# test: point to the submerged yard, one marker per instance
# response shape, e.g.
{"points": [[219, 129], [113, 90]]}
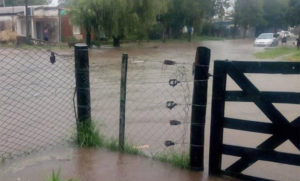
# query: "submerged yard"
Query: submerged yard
{"points": [[147, 118]]}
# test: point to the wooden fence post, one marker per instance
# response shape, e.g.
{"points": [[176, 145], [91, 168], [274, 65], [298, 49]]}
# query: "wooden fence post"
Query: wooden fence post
{"points": [[82, 83], [199, 108], [217, 117], [123, 101]]}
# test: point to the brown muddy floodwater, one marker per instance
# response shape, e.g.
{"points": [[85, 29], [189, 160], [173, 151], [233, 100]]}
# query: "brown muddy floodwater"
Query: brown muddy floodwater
{"points": [[97, 165], [147, 119]]}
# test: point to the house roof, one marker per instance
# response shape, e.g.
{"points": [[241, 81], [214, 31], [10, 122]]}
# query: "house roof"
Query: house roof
{"points": [[14, 10], [11, 10]]}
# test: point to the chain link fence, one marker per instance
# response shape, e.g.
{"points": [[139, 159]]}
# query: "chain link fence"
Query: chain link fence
{"points": [[152, 126], [105, 97], [37, 100], [158, 106], [38, 96]]}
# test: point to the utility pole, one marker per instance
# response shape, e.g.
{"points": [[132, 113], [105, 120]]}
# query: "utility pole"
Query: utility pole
{"points": [[3, 3], [27, 20]]}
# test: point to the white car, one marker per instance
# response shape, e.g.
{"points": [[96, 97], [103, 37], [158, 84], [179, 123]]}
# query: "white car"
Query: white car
{"points": [[266, 40]]}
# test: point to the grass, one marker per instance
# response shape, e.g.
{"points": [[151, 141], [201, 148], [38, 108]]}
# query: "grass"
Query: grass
{"points": [[275, 53], [89, 136], [180, 160], [113, 145], [56, 176], [295, 57], [196, 39], [36, 47]]}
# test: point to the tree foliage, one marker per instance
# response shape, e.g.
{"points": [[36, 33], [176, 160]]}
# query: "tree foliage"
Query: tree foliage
{"points": [[248, 13], [275, 13], [267, 15], [293, 13], [83, 15], [182, 13], [117, 19]]}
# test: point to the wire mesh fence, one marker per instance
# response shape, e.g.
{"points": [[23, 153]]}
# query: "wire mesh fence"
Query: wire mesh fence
{"points": [[157, 111], [36, 95], [151, 126], [105, 98]]}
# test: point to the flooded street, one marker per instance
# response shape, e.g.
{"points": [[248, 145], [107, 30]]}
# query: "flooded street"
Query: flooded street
{"points": [[96, 165], [148, 119]]}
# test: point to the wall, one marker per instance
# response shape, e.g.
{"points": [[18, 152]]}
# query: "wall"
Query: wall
{"points": [[6, 23], [46, 12], [66, 28]]}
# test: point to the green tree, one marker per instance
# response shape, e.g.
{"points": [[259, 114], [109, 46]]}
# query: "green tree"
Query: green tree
{"points": [[22, 2], [182, 13], [248, 13], [82, 14], [293, 13], [172, 19], [117, 19], [146, 11], [275, 14]]}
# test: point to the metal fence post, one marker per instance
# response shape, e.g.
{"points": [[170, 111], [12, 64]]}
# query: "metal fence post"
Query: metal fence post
{"points": [[123, 101], [199, 108], [82, 83]]}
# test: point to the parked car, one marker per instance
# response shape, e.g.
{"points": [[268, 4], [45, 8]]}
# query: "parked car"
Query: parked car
{"points": [[266, 40]]}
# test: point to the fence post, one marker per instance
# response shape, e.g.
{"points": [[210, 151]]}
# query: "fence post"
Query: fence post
{"points": [[217, 117], [82, 82], [199, 108], [123, 101]]}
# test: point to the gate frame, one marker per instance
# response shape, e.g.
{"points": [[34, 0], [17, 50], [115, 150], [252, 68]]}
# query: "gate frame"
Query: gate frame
{"points": [[280, 128]]}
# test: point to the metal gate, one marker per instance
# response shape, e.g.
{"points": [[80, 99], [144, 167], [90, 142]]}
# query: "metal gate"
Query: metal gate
{"points": [[280, 128]]}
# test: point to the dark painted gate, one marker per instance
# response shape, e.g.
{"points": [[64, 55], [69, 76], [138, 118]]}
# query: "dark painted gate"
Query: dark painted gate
{"points": [[280, 128]]}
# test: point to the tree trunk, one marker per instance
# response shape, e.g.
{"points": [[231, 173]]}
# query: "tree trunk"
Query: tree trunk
{"points": [[88, 38], [245, 32], [164, 36], [116, 42], [189, 36]]}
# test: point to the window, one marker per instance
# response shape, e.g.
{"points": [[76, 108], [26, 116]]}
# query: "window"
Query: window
{"points": [[76, 30]]}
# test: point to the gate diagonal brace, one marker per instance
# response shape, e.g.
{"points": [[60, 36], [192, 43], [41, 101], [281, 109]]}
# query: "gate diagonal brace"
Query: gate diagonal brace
{"points": [[279, 137], [262, 103]]}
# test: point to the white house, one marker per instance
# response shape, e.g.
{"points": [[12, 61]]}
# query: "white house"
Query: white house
{"points": [[43, 17]]}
